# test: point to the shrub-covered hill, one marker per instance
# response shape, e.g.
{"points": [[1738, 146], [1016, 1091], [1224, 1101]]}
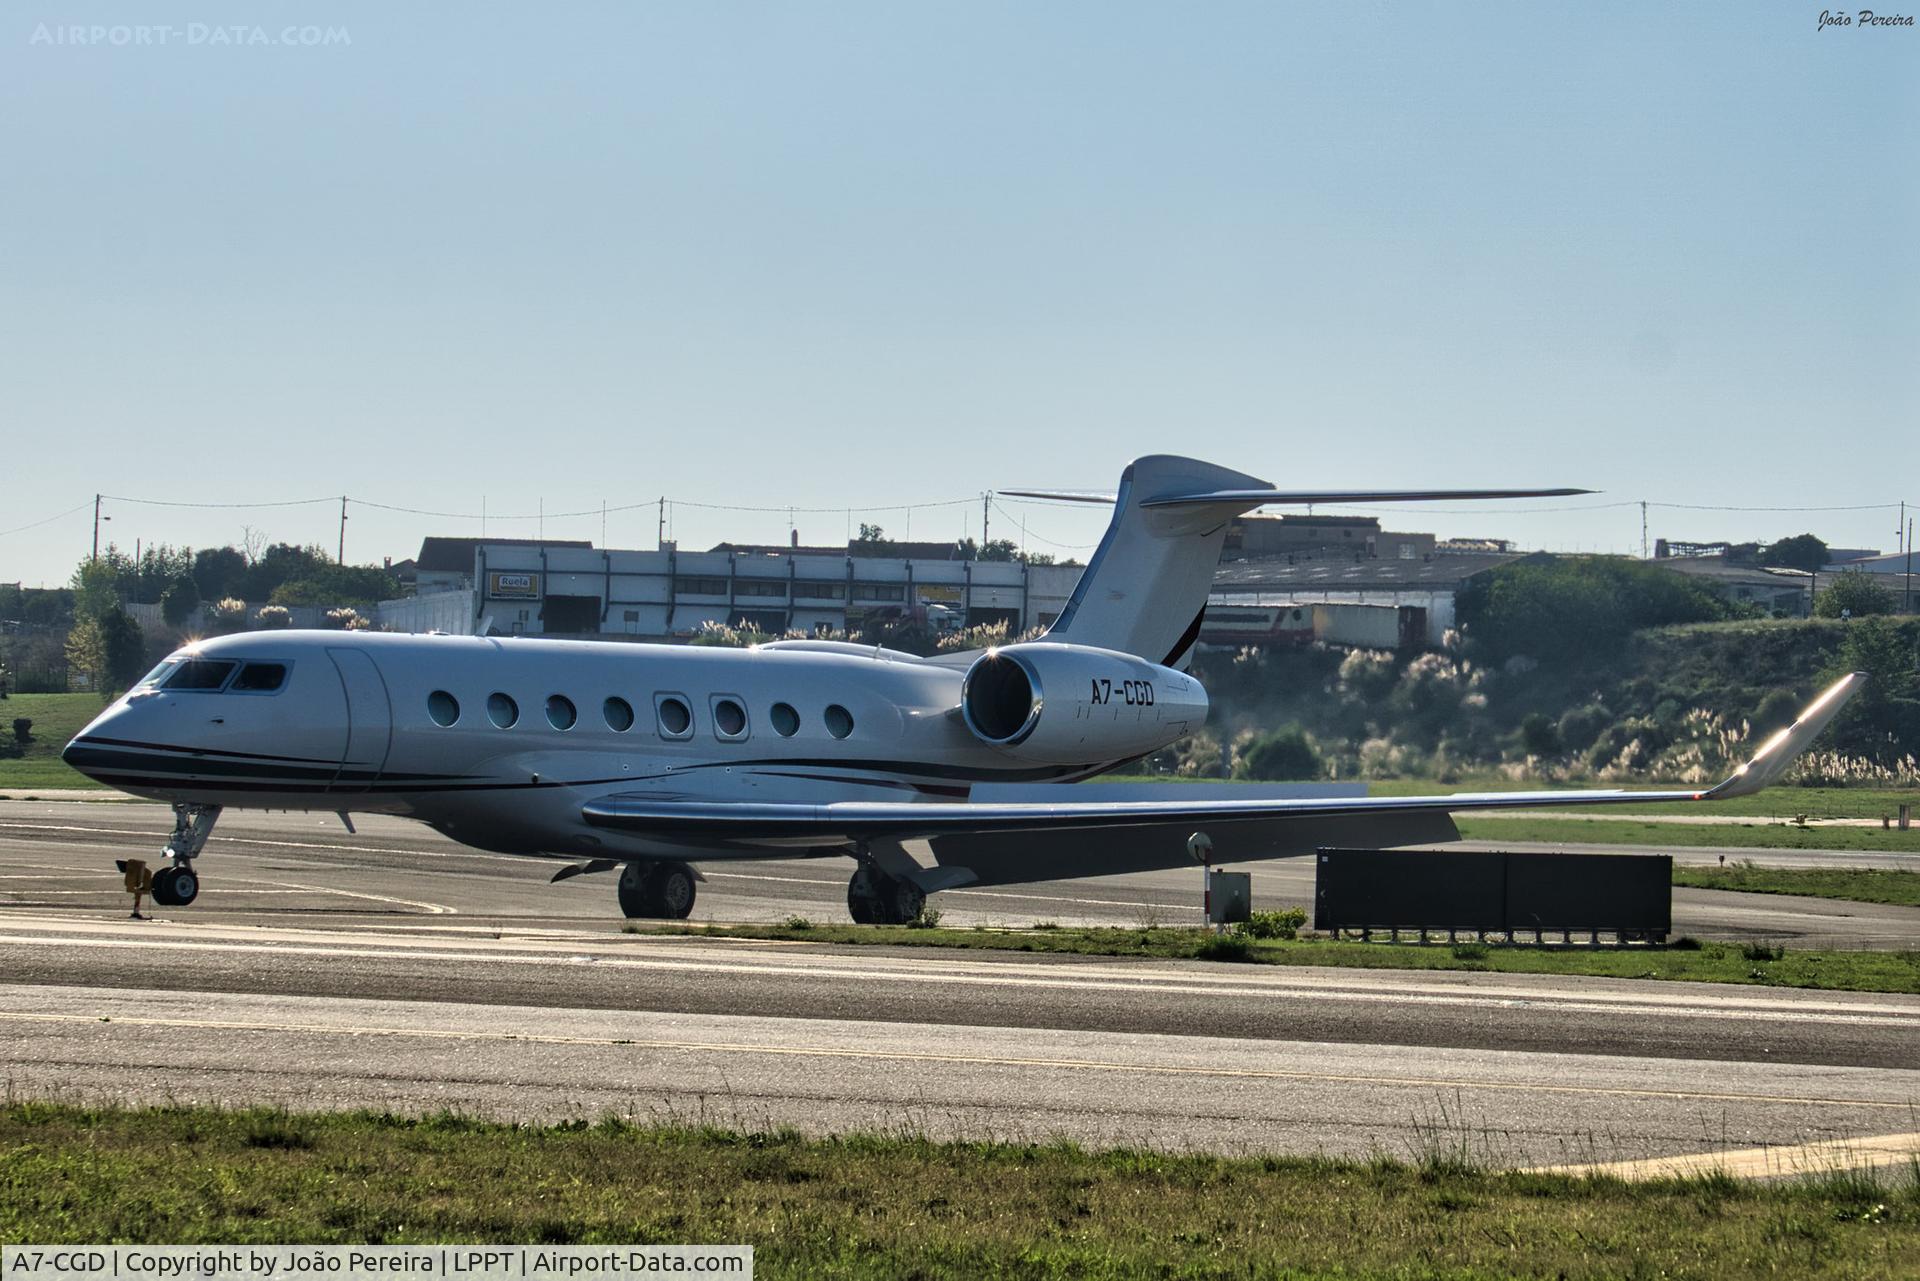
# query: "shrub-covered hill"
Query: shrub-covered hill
{"points": [[1676, 702]]}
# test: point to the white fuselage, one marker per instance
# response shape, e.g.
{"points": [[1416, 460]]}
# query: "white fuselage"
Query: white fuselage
{"points": [[499, 742]]}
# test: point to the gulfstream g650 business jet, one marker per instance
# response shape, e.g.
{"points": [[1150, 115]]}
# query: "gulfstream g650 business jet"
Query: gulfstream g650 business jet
{"points": [[642, 757]]}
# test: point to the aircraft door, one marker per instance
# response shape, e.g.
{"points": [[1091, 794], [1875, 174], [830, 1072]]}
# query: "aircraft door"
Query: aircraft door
{"points": [[369, 720]]}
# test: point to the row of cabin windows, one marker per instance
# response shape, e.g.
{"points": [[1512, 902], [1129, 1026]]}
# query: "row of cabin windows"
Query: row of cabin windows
{"points": [[673, 716]]}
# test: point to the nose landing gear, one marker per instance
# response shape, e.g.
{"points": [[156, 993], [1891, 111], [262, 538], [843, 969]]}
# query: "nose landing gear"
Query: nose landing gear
{"points": [[178, 885]]}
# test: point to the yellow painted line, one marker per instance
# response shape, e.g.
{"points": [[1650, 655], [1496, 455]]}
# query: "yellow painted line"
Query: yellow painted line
{"points": [[1761, 1163], [968, 1060]]}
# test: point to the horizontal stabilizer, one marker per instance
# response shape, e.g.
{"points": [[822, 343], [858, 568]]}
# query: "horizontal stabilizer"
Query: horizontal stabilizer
{"points": [[1296, 497], [1309, 497]]}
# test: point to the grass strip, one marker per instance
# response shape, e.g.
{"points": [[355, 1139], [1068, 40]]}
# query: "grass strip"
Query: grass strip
{"points": [[56, 719], [1686, 961], [903, 1205], [1759, 834], [1858, 885]]}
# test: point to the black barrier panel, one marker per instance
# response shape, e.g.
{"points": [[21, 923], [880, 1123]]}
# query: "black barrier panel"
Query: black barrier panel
{"points": [[1632, 892], [1492, 892], [1408, 889]]}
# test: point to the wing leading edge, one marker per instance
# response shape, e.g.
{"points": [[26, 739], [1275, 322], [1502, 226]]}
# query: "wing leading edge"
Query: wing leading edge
{"points": [[847, 822]]}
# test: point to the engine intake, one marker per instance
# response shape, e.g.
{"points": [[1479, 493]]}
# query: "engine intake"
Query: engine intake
{"points": [[1001, 698], [1059, 704]]}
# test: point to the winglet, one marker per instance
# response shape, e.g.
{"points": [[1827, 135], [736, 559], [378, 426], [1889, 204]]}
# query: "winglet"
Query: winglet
{"points": [[1770, 763]]}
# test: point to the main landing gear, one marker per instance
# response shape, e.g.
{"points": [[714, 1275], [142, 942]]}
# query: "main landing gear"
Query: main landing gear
{"points": [[876, 898], [657, 890], [178, 884]]}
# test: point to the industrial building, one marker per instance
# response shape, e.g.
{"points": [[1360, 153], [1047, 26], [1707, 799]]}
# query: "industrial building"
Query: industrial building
{"points": [[536, 588]]}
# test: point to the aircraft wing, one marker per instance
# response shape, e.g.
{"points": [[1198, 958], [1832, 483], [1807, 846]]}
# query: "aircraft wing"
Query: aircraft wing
{"points": [[1397, 819]]}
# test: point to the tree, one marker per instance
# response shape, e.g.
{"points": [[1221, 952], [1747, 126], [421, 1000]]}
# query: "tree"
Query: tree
{"points": [[109, 649], [96, 588], [1578, 606], [1853, 593], [1802, 551], [218, 572], [1883, 719], [337, 586], [180, 601], [873, 541]]}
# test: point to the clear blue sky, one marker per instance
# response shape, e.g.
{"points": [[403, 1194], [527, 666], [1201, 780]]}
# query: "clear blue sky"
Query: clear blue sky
{"points": [[824, 255]]}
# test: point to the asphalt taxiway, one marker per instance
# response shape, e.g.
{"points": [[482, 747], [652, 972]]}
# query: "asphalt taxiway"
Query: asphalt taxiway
{"points": [[392, 969]]}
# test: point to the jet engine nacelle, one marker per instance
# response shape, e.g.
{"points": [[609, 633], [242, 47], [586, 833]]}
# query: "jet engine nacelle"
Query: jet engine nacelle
{"points": [[1058, 704]]}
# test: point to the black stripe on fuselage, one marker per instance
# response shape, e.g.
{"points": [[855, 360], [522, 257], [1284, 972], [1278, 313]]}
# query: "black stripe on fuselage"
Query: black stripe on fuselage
{"points": [[201, 751]]}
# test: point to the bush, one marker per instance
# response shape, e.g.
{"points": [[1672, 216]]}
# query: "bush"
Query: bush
{"points": [[1776, 711], [1579, 726], [1283, 924], [1283, 755], [1854, 593], [1539, 735], [273, 618]]}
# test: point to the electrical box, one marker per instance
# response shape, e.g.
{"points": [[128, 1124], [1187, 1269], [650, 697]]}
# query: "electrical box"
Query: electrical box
{"points": [[1229, 897]]}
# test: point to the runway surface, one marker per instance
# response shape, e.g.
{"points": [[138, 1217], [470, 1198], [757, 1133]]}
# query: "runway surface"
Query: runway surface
{"points": [[260, 867], [395, 970]]}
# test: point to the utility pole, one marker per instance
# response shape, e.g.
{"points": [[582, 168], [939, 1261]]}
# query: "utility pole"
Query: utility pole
{"points": [[1643, 529], [986, 501], [660, 538], [341, 556], [96, 527], [1909, 565]]}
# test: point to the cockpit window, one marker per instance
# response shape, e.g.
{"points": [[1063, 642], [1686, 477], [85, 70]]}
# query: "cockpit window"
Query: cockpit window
{"points": [[155, 677], [259, 678], [200, 674]]}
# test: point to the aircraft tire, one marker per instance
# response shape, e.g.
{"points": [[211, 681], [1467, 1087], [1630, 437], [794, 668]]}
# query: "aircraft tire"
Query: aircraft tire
{"points": [[635, 890], [175, 887], [863, 897], [673, 891], [903, 901]]}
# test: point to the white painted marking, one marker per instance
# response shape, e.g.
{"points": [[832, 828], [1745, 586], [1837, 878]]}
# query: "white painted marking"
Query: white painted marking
{"points": [[994, 975]]}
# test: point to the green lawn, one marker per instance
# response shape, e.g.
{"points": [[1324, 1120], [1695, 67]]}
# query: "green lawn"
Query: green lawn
{"points": [[1786, 802], [1760, 834], [56, 719], [1860, 885], [904, 1206], [1857, 971]]}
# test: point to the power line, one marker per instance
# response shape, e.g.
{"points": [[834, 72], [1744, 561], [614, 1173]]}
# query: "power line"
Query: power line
{"points": [[164, 502], [1028, 533], [47, 520]]}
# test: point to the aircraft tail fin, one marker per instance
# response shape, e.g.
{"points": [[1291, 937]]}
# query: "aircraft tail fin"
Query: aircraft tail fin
{"points": [[1145, 589]]}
